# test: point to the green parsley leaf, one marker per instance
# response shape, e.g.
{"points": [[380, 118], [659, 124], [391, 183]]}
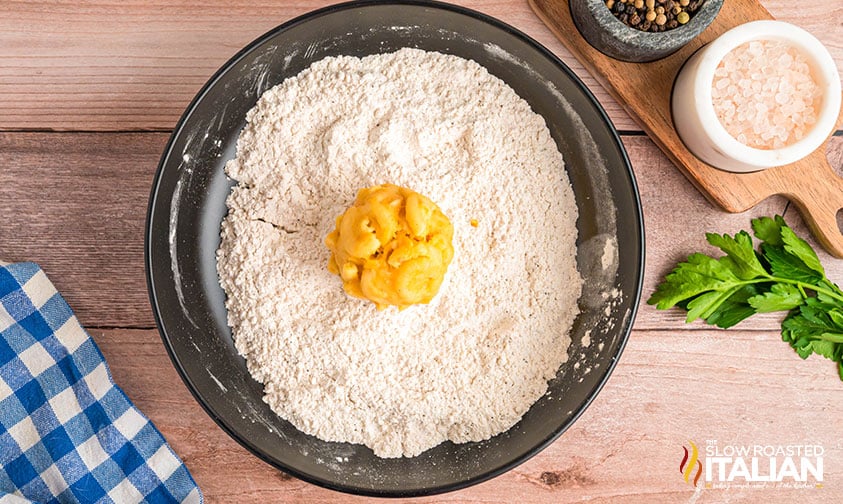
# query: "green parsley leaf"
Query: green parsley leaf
{"points": [[824, 348], [784, 275], [785, 265], [799, 248], [769, 230], [740, 257], [734, 309], [836, 316], [699, 274], [780, 297], [825, 298]]}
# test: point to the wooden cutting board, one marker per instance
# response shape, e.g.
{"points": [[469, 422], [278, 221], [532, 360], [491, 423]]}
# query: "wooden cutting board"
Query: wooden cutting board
{"points": [[643, 89]]}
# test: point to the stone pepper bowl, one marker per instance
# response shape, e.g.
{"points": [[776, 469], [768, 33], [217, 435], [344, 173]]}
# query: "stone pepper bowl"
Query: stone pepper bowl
{"points": [[609, 35]]}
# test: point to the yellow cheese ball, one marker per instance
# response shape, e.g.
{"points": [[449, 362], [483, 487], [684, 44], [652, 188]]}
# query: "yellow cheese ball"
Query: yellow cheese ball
{"points": [[392, 247]]}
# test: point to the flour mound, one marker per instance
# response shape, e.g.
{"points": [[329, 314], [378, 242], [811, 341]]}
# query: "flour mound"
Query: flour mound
{"points": [[468, 365]]}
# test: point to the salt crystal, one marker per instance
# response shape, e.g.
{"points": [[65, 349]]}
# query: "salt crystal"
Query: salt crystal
{"points": [[765, 95]]}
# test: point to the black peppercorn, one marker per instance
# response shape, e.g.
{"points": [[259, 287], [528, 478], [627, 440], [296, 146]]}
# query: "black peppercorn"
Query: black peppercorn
{"points": [[653, 16]]}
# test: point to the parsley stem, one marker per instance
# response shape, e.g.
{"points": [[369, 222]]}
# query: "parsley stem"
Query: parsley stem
{"points": [[832, 337], [800, 285], [802, 291]]}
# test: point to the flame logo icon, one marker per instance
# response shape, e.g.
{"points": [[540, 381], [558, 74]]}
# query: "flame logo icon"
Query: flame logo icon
{"points": [[689, 461]]}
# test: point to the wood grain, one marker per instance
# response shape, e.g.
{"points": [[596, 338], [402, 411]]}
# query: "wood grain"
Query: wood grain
{"points": [[76, 203], [645, 91], [136, 64], [667, 389]]}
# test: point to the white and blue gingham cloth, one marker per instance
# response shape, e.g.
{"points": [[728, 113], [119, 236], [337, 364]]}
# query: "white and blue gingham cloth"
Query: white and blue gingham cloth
{"points": [[67, 432]]}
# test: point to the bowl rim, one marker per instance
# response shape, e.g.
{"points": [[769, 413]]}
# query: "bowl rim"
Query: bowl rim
{"points": [[628, 320]]}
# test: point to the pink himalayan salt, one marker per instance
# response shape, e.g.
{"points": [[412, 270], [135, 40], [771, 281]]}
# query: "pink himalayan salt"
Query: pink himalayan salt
{"points": [[764, 94]]}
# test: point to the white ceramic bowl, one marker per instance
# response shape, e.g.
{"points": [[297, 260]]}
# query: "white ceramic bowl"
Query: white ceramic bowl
{"points": [[703, 133]]}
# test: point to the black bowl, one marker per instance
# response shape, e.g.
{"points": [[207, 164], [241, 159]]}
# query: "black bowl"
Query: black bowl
{"points": [[187, 205]]}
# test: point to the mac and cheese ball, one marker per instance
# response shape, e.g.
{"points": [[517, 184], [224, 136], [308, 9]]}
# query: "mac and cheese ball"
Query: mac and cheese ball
{"points": [[392, 247]]}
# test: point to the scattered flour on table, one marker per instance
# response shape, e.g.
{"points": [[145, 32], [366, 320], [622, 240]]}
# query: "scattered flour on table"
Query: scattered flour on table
{"points": [[466, 366]]}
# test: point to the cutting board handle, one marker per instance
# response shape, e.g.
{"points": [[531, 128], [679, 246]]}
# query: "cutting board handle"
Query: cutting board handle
{"points": [[818, 193]]}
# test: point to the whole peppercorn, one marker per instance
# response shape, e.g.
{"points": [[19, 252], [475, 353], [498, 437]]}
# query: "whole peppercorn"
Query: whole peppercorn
{"points": [[653, 16]]}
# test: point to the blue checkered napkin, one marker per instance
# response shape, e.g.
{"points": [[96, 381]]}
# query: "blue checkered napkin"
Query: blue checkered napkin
{"points": [[67, 432]]}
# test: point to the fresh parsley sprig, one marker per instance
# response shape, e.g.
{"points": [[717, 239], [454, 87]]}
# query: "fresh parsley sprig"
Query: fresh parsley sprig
{"points": [[784, 275]]}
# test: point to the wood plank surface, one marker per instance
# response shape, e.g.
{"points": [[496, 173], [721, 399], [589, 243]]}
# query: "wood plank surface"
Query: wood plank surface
{"points": [[669, 389], [76, 203], [135, 64], [108, 72]]}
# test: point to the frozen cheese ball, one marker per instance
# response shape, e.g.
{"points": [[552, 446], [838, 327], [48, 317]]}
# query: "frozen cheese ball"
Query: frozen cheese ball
{"points": [[392, 247]]}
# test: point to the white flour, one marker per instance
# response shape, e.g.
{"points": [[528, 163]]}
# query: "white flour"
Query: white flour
{"points": [[468, 365]]}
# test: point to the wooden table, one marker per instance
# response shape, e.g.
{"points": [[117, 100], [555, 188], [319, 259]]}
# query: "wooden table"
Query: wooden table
{"points": [[89, 91]]}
